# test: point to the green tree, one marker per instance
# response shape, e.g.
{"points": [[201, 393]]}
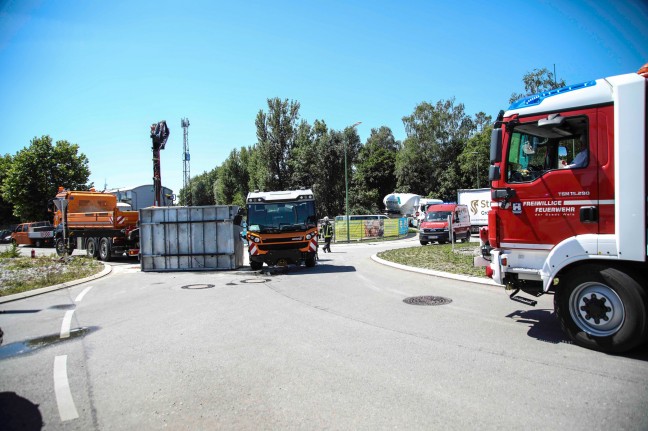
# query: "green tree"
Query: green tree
{"points": [[374, 175], [304, 160], [474, 161], [6, 209], [537, 81], [232, 180], [276, 136], [36, 173], [436, 135]]}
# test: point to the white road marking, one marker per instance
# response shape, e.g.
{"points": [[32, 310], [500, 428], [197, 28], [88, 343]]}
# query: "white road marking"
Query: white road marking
{"points": [[82, 294], [65, 326], [67, 409]]}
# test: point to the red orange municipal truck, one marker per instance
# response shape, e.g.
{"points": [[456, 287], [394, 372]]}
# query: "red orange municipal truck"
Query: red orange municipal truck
{"points": [[281, 228], [569, 191], [93, 221]]}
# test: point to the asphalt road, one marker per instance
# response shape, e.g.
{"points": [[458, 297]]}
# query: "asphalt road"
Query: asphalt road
{"points": [[330, 347]]}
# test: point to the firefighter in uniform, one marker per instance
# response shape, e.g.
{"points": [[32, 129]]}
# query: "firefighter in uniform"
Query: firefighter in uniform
{"points": [[326, 231]]}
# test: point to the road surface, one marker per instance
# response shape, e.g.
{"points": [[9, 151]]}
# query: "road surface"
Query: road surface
{"points": [[330, 347]]}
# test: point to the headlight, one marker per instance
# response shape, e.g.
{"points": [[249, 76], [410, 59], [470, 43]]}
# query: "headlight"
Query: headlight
{"points": [[257, 239], [309, 236]]}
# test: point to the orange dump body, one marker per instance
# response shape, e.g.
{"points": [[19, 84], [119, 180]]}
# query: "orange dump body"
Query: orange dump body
{"points": [[89, 210]]}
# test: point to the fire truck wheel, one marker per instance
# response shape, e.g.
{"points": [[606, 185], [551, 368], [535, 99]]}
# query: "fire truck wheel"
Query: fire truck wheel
{"points": [[256, 265], [91, 248], [310, 262], [38, 243], [60, 247], [423, 242], [105, 250], [602, 308]]}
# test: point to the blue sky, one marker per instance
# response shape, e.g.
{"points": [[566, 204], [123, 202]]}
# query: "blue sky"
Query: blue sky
{"points": [[99, 73]]}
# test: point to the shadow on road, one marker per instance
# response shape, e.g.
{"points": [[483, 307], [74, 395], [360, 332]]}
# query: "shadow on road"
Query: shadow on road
{"points": [[18, 413], [543, 325], [320, 268]]}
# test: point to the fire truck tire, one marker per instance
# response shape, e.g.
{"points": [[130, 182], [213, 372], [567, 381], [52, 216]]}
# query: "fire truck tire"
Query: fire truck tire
{"points": [[256, 265], [60, 247], [310, 262], [38, 243], [603, 308], [91, 248], [105, 250], [423, 242]]}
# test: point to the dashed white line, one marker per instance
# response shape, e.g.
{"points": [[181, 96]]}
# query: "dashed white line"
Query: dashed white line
{"points": [[82, 294], [65, 326], [67, 409]]}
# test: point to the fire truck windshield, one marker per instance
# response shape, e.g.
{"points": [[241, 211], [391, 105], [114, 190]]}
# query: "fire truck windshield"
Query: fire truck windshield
{"points": [[281, 217]]}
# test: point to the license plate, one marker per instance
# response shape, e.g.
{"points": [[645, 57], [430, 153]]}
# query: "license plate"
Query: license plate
{"points": [[433, 237]]}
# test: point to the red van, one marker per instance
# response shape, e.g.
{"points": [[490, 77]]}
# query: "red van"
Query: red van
{"points": [[435, 225]]}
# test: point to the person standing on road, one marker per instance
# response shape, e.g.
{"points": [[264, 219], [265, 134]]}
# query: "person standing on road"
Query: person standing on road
{"points": [[327, 232]]}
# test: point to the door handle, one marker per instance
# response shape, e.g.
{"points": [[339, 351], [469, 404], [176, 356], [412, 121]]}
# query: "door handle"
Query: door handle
{"points": [[589, 214]]}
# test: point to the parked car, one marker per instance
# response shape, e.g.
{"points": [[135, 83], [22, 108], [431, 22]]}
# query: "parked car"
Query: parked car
{"points": [[5, 236]]}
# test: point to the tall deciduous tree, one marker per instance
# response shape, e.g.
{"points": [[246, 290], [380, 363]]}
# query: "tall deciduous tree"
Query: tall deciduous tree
{"points": [[276, 136], [374, 176], [537, 81], [36, 173], [436, 135], [232, 181], [6, 209]]}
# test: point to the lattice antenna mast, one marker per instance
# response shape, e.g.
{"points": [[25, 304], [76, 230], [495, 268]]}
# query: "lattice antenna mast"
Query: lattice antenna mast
{"points": [[186, 159]]}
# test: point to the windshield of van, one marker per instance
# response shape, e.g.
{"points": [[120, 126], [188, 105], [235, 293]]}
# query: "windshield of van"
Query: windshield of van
{"points": [[281, 217], [437, 215]]}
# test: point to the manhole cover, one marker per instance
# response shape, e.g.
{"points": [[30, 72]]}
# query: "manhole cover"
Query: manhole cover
{"points": [[197, 286], [255, 280], [427, 300]]}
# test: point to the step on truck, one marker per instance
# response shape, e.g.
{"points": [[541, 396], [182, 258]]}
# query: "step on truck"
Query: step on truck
{"points": [[568, 187], [281, 228], [95, 222]]}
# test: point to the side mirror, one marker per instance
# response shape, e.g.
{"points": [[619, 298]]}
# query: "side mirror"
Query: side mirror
{"points": [[496, 146]]}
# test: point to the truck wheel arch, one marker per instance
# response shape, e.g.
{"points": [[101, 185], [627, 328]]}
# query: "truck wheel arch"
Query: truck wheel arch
{"points": [[572, 251]]}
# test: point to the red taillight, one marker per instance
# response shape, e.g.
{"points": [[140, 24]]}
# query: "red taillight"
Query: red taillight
{"points": [[483, 235], [504, 261], [489, 272]]}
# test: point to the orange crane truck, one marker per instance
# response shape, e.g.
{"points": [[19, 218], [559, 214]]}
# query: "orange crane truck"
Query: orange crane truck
{"points": [[92, 221]]}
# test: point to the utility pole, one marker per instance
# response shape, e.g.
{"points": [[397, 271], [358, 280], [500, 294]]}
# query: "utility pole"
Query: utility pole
{"points": [[159, 136], [186, 183]]}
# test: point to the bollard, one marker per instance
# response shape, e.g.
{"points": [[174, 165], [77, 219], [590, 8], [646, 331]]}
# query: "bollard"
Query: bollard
{"points": [[33, 253]]}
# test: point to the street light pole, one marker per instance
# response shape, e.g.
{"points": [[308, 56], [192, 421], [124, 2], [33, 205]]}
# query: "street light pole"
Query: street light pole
{"points": [[346, 183]]}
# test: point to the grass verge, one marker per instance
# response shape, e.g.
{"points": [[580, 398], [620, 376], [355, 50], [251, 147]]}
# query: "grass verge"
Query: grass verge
{"points": [[438, 257], [20, 274]]}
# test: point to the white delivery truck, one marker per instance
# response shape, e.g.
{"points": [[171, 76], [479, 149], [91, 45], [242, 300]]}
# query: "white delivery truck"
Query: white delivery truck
{"points": [[478, 202]]}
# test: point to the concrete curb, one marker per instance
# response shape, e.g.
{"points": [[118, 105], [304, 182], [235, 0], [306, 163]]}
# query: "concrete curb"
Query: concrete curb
{"points": [[22, 295], [477, 280]]}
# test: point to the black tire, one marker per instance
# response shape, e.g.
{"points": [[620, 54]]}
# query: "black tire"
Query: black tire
{"points": [[59, 245], [105, 250], [310, 262], [92, 250], [38, 243], [423, 242], [256, 265], [14, 242], [602, 308]]}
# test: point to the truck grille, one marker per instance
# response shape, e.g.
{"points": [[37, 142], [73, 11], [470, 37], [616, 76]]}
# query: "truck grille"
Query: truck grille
{"points": [[289, 246], [432, 230]]}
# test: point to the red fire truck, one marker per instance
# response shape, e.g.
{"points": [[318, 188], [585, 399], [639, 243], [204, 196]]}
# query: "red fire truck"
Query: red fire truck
{"points": [[568, 187]]}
